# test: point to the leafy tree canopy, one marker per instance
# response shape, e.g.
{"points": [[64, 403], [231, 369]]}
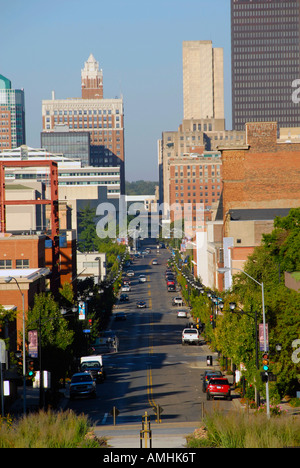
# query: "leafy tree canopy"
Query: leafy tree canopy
{"points": [[140, 187]]}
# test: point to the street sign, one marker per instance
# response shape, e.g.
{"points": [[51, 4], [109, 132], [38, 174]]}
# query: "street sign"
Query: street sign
{"points": [[261, 337], [81, 310], [33, 343]]}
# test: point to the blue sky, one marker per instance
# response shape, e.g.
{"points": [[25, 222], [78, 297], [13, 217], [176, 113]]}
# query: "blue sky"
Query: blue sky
{"points": [[139, 47]]}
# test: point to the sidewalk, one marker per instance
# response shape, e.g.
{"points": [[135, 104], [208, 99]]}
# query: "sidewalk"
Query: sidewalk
{"points": [[32, 401]]}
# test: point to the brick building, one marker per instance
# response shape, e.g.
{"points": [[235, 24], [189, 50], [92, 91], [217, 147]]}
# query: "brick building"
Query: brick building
{"points": [[26, 282], [263, 173], [195, 184], [102, 118], [28, 258], [260, 181]]}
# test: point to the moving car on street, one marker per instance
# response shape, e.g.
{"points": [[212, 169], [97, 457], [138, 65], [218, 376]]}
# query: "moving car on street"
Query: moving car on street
{"points": [[82, 385], [94, 365], [141, 304], [120, 316], [124, 298], [190, 336], [182, 314]]}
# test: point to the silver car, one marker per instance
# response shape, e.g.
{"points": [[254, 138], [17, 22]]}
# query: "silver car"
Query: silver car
{"points": [[82, 384]]}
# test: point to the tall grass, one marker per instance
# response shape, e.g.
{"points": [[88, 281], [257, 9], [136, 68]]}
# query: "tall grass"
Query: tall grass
{"points": [[47, 430], [240, 430]]}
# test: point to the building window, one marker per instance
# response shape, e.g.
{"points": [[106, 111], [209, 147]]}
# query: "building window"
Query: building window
{"points": [[22, 263], [5, 264]]}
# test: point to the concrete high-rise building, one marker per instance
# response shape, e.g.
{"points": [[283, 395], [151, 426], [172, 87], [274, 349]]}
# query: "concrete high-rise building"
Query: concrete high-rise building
{"points": [[12, 115], [203, 81], [102, 118], [265, 48], [201, 131]]}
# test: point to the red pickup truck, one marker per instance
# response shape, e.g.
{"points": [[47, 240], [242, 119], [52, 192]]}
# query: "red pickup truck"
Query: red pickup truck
{"points": [[218, 387]]}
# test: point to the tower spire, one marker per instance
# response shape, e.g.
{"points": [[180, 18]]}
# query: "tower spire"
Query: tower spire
{"points": [[91, 80]]}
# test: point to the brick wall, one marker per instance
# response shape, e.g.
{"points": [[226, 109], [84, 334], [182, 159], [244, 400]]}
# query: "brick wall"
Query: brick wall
{"points": [[23, 248], [264, 175]]}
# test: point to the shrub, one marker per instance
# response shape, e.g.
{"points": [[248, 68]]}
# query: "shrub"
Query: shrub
{"points": [[241, 430], [48, 430]]}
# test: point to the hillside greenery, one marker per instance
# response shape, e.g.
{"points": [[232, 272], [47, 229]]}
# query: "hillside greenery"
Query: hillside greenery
{"points": [[140, 187]]}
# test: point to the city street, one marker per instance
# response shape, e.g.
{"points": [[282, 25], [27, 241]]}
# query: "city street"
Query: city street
{"points": [[152, 367]]}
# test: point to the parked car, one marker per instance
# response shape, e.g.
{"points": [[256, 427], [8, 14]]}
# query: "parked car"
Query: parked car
{"points": [[218, 387], [142, 279], [82, 384], [207, 375], [177, 301], [141, 304], [169, 276], [126, 288], [171, 288], [190, 336], [182, 314], [170, 281], [169, 272]]}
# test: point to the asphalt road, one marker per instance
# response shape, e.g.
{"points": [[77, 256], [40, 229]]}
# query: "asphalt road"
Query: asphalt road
{"points": [[151, 367]]}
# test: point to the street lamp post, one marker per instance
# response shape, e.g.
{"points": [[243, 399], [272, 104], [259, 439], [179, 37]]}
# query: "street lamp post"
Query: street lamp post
{"points": [[232, 306], [8, 280], [225, 270]]}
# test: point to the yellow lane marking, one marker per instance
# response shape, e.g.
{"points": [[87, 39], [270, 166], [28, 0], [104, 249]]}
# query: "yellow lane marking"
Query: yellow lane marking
{"points": [[150, 388]]}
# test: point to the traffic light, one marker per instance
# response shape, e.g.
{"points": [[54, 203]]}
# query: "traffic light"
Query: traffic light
{"points": [[265, 362], [90, 323], [19, 357], [30, 369]]}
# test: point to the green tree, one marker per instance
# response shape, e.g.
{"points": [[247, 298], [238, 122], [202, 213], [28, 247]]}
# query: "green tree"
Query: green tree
{"points": [[55, 335], [140, 187], [278, 252], [87, 235]]}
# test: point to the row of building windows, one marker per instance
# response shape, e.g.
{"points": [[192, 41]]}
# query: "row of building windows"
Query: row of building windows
{"points": [[181, 181], [240, 5], [84, 112], [20, 264]]}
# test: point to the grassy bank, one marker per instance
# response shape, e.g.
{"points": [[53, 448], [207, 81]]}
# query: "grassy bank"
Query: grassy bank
{"points": [[239, 430], [48, 430]]}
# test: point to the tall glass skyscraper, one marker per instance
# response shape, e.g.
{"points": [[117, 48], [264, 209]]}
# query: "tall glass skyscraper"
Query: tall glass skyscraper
{"points": [[12, 115], [265, 48]]}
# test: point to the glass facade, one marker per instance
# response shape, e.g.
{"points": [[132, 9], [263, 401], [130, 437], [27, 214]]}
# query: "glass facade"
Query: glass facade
{"points": [[265, 47], [12, 115], [73, 145]]}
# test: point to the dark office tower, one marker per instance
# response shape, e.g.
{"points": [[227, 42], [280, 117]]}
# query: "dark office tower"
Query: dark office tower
{"points": [[265, 47]]}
